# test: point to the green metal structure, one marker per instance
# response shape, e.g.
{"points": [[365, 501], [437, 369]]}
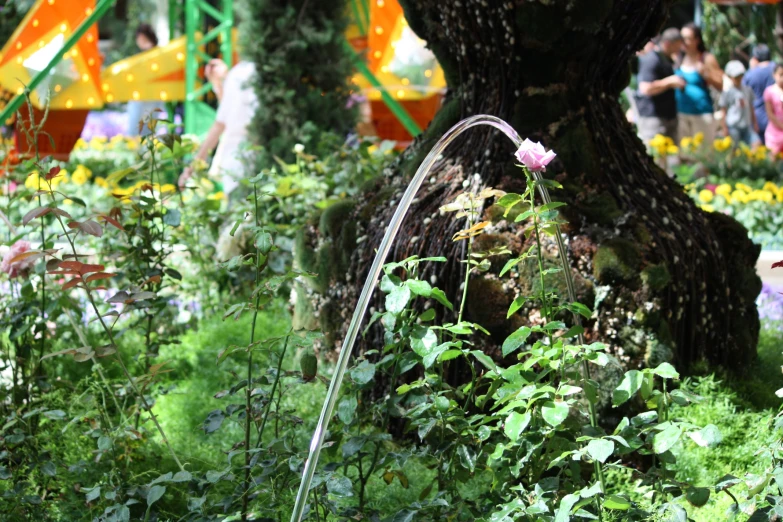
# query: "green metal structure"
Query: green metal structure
{"points": [[198, 115]]}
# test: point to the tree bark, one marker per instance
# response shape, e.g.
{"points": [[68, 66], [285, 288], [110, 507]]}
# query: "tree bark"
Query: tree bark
{"points": [[669, 281]]}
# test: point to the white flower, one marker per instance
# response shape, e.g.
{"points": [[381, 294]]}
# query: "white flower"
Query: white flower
{"points": [[299, 148]]}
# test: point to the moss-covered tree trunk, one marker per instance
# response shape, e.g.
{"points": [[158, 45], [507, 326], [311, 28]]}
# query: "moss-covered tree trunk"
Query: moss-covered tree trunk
{"points": [[668, 281]]}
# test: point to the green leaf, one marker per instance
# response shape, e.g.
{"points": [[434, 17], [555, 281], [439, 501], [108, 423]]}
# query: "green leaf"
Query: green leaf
{"points": [[563, 513], [600, 449], [467, 458], [518, 303], [389, 282], [339, 485], [418, 287], [666, 371], [631, 383], [697, 496], [363, 372], [515, 340], [172, 217], [509, 200], [353, 446], [406, 515], [440, 297], [423, 340], [554, 413], [666, 439], [617, 502], [428, 315], [515, 424], [182, 476], [398, 299], [154, 494], [484, 359], [707, 437], [264, 242], [346, 409]]}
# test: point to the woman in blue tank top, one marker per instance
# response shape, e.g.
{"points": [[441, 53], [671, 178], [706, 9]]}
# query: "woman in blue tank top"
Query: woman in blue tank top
{"points": [[700, 70]]}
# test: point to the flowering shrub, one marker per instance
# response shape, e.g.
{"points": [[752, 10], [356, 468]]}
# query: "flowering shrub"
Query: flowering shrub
{"points": [[760, 210]]}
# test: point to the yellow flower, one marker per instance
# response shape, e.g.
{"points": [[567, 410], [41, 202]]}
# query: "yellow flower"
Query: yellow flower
{"points": [[761, 153], [689, 187], [34, 181], [168, 187], [771, 187], [724, 189], [79, 177], [663, 145], [779, 197], [744, 187], [722, 144], [80, 145], [686, 143], [119, 138], [708, 208], [95, 145], [217, 196], [101, 182], [98, 139], [746, 150], [132, 143], [740, 196], [705, 196], [698, 139], [68, 201], [81, 169]]}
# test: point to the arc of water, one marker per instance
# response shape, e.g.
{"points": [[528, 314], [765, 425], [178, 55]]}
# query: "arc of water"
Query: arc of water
{"points": [[372, 279]]}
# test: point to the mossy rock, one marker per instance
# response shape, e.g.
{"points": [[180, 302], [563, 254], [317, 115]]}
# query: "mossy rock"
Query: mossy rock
{"points": [[657, 352], [334, 217], [599, 208], [615, 261], [488, 302], [305, 257], [656, 277], [381, 197]]}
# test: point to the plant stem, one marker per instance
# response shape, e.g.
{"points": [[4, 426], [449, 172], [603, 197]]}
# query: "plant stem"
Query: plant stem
{"points": [[249, 388], [272, 393]]}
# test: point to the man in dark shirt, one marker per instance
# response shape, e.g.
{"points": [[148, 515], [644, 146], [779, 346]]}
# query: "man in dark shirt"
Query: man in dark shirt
{"points": [[759, 78], [656, 102]]}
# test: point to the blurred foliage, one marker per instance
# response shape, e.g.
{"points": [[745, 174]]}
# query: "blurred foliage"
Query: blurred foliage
{"points": [[731, 31], [304, 68]]}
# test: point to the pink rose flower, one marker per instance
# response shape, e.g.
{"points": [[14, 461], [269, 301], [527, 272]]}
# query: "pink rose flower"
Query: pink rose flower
{"points": [[534, 156], [711, 187], [20, 267]]}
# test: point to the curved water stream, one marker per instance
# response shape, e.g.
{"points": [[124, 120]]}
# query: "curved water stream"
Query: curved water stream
{"points": [[372, 279]]}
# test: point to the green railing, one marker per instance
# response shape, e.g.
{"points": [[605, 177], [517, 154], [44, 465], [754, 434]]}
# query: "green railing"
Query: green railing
{"points": [[198, 115]]}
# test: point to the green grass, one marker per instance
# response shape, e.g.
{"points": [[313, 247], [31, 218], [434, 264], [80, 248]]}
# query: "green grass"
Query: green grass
{"points": [[196, 377]]}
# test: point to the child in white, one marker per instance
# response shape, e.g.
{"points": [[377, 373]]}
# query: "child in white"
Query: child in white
{"points": [[238, 103], [740, 119]]}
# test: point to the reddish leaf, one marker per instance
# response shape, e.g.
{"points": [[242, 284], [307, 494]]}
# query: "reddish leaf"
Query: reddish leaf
{"points": [[779, 264], [25, 255], [92, 228], [53, 172], [112, 221], [73, 224], [35, 213], [63, 272], [60, 212], [86, 269], [73, 282], [99, 275], [153, 279], [70, 265]]}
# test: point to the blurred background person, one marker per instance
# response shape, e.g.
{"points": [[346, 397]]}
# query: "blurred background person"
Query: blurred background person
{"points": [[655, 102], [700, 71], [758, 79]]}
